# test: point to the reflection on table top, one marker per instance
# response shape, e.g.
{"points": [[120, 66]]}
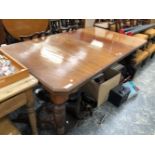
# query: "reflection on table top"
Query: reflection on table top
{"points": [[64, 61], [113, 41]]}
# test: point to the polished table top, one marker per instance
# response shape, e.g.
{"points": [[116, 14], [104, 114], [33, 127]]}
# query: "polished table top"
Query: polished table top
{"points": [[64, 61], [116, 43]]}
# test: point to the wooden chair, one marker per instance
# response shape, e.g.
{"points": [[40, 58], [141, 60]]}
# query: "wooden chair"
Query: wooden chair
{"points": [[65, 25], [101, 20], [150, 33], [151, 50], [133, 22], [81, 23], [140, 57], [59, 25], [115, 24], [126, 23], [143, 36], [145, 21], [73, 24], [119, 24], [55, 26]]}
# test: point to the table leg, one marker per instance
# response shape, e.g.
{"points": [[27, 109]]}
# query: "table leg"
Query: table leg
{"points": [[31, 111], [59, 112]]}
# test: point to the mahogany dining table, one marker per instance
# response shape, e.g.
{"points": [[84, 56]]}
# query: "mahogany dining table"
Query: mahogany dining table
{"points": [[65, 62]]}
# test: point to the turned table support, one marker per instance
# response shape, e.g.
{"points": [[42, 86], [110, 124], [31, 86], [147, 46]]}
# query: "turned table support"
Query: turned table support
{"points": [[59, 112]]}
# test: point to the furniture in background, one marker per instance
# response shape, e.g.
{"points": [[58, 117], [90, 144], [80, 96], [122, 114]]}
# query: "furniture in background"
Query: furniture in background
{"points": [[68, 60], [150, 32], [127, 23], [118, 24], [26, 29], [141, 56], [151, 45], [105, 24], [65, 25], [55, 25], [21, 29], [15, 96], [139, 29], [146, 32]]}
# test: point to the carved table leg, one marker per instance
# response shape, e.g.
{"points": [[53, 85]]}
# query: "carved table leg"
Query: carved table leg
{"points": [[59, 112], [31, 111]]}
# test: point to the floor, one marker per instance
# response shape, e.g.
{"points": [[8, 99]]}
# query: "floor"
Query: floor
{"points": [[134, 117]]}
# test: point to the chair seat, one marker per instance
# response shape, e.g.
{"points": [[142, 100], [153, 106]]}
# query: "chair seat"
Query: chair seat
{"points": [[7, 127], [140, 56], [151, 49], [150, 33], [141, 36]]}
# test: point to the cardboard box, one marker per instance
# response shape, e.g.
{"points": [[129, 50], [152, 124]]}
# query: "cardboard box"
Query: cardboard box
{"points": [[100, 92]]}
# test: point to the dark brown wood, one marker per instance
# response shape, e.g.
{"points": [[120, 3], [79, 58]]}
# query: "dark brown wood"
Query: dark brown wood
{"points": [[59, 111]]}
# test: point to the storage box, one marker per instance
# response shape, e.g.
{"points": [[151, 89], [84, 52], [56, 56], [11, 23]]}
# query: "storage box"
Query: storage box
{"points": [[119, 95], [21, 71], [100, 92]]}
